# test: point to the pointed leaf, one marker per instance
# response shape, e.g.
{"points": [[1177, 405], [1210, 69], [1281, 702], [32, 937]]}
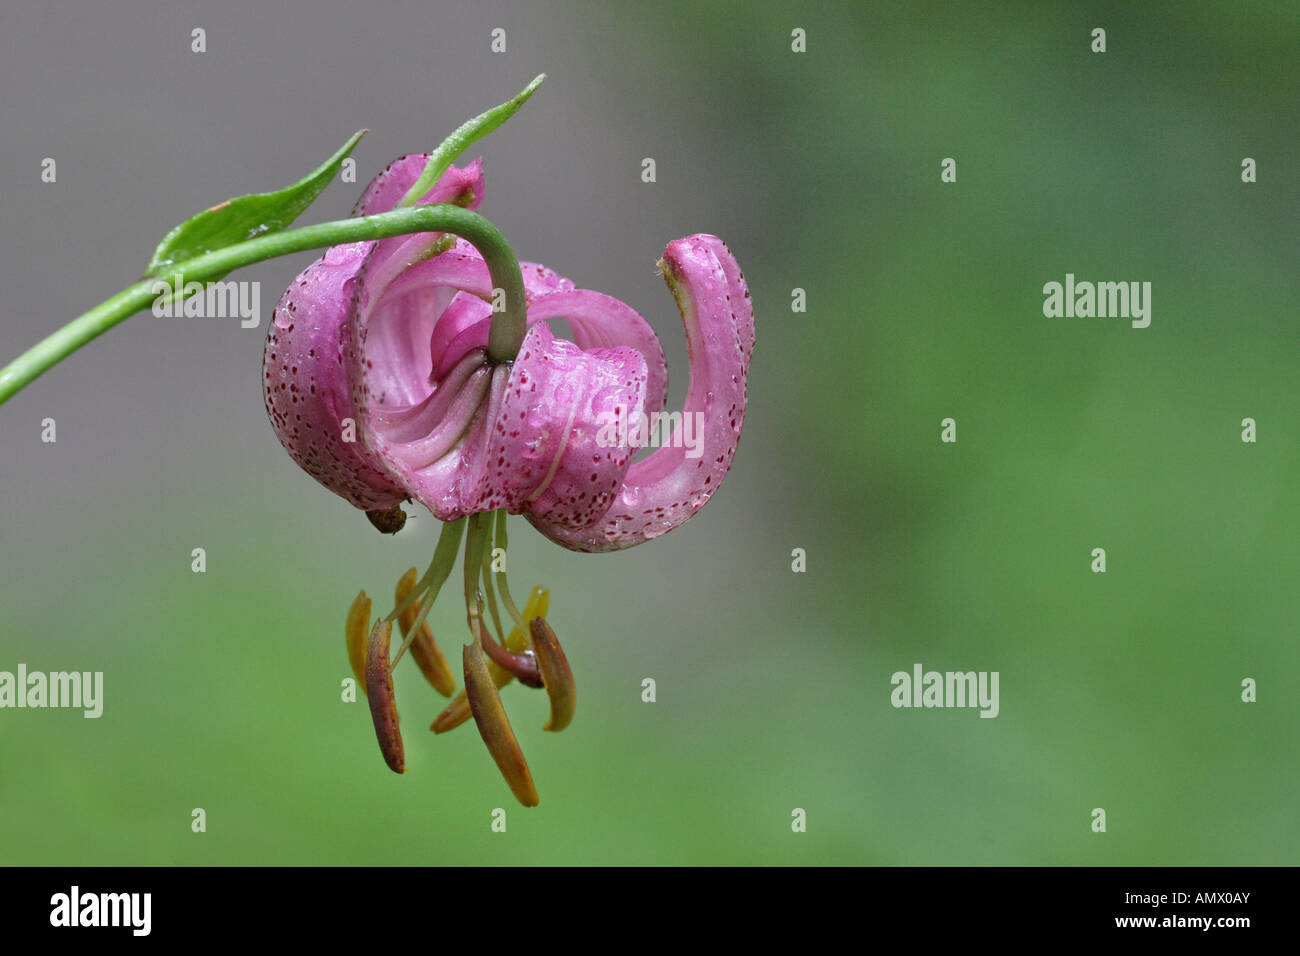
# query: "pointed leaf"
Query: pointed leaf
{"points": [[468, 133], [245, 217]]}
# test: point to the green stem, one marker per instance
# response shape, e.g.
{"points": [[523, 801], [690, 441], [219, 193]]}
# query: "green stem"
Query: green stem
{"points": [[427, 588], [475, 539], [489, 593], [508, 326], [503, 543]]}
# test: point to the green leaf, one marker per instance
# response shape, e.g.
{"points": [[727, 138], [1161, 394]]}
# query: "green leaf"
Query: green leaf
{"points": [[464, 136], [246, 217]]}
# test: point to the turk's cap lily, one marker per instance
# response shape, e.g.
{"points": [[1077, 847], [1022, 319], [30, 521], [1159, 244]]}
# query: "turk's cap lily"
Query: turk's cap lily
{"points": [[386, 379], [378, 382]]}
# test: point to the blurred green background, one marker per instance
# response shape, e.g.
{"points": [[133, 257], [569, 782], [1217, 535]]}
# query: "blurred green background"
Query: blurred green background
{"points": [[821, 170]]}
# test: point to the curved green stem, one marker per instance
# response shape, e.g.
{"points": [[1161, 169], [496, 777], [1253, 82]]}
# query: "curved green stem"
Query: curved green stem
{"points": [[508, 326]]}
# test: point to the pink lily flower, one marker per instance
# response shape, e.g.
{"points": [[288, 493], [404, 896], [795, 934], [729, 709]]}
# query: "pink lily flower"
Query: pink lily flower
{"points": [[379, 384]]}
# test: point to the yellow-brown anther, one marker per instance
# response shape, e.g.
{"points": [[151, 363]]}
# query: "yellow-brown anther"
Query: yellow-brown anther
{"points": [[379, 689], [423, 647], [458, 710], [355, 630], [556, 674], [494, 726]]}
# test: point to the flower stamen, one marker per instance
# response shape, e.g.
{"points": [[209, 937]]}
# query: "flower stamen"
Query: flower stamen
{"points": [[494, 726], [355, 635], [522, 666], [555, 673], [423, 647], [457, 712], [379, 690]]}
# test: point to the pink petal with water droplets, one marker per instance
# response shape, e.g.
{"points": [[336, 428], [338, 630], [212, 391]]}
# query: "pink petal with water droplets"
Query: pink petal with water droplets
{"points": [[393, 338], [386, 190], [305, 384], [305, 372], [597, 320], [602, 321], [423, 439], [548, 456], [664, 490]]}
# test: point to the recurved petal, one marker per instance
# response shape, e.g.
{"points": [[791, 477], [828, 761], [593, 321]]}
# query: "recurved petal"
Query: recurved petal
{"points": [[597, 321], [306, 373], [554, 452], [466, 323], [602, 321], [305, 382], [664, 490], [542, 280], [461, 186]]}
